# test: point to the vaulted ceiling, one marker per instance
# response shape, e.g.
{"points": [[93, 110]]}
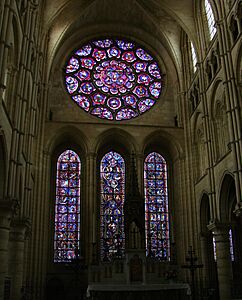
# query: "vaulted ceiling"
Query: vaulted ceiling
{"points": [[157, 23]]}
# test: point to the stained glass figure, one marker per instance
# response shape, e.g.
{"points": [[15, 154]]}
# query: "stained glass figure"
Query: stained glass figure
{"points": [[67, 207], [124, 77], [112, 176], [156, 207]]}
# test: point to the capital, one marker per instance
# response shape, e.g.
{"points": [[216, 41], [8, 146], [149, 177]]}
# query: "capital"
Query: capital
{"points": [[9, 207], [20, 229], [217, 227], [203, 235], [238, 210], [91, 155]]}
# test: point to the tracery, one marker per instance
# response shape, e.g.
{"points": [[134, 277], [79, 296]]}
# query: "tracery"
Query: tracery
{"points": [[156, 207], [112, 176], [67, 207], [113, 79]]}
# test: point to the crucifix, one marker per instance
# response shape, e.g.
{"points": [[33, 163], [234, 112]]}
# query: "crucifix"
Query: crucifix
{"points": [[192, 265]]}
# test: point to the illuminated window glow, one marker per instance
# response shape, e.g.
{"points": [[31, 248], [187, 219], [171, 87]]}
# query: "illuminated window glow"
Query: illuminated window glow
{"points": [[112, 173], [113, 79], [67, 207], [156, 207], [231, 247], [194, 58], [214, 249], [210, 19]]}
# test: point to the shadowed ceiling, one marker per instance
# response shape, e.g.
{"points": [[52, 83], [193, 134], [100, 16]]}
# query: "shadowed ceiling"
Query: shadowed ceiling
{"points": [[155, 22]]}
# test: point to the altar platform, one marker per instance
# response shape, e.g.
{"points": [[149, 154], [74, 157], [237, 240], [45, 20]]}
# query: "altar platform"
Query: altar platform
{"points": [[175, 291]]}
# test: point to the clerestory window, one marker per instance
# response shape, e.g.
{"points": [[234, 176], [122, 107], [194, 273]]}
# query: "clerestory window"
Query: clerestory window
{"points": [[210, 19], [194, 57]]}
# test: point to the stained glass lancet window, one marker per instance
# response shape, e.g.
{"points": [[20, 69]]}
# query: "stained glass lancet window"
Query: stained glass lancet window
{"points": [[194, 58], [67, 207], [112, 175], [156, 207], [210, 19], [113, 79]]}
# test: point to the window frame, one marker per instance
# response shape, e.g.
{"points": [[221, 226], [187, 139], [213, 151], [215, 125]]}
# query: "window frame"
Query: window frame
{"points": [[193, 57], [55, 153], [168, 204], [125, 155], [78, 213], [210, 19]]}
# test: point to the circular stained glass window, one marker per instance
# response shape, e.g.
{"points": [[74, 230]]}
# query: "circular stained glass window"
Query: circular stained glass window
{"points": [[113, 79]]}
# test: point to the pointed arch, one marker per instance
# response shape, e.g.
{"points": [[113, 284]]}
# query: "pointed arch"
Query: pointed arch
{"points": [[157, 232], [2, 166], [67, 207], [226, 197], [204, 212], [194, 57], [227, 207], [210, 19], [234, 28], [112, 188], [207, 245], [201, 157], [220, 126]]}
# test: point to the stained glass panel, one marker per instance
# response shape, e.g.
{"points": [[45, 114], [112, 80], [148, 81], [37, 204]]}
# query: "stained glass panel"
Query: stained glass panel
{"points": [[210, 19], [231, 246], [67, 207], [112, 176], [194, 57], [156, 207], [103, 74]]}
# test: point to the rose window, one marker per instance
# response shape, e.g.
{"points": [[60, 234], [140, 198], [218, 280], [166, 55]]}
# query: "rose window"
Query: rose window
{"points": [[113, 79]]}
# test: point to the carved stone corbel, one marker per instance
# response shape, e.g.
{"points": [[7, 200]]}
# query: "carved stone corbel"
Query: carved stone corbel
{"points": [[20, 229], [8, 208], [238, 210]]}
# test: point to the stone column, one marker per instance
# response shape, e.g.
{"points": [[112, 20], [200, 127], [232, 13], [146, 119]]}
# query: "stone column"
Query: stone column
{"points": [[209, 266], [204, 254], [6, 210], [91, 209], [140, 171], [238, 210], [16, 255], [224, 267]]}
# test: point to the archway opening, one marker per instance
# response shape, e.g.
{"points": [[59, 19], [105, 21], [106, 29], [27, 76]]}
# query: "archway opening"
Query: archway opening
{"points": [[210, 281]]}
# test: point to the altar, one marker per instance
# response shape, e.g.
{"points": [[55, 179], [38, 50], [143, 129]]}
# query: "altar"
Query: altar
{"points": [[136, 273], [173, 291]]}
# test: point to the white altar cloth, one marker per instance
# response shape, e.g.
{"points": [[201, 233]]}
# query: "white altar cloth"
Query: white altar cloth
{"points": [[137, 287]]}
